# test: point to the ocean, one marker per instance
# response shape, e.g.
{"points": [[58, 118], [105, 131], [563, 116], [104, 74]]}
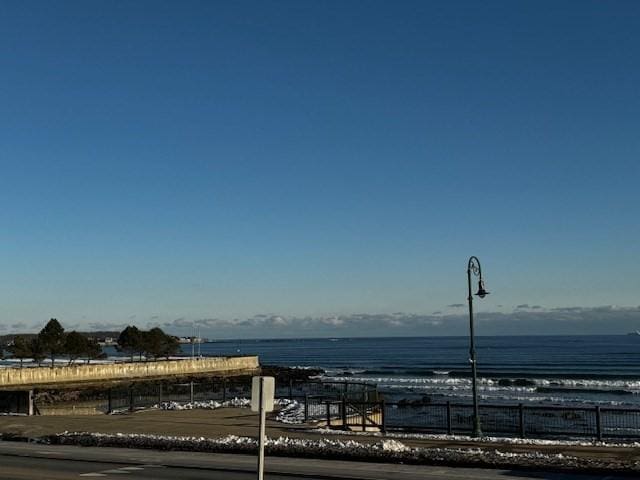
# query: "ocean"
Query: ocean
{"points": [[551, 370]]}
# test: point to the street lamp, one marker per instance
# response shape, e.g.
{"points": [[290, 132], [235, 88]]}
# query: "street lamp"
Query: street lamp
{"points": [[474, 267]]}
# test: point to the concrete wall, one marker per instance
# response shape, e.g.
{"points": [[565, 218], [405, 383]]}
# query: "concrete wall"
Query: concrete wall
{"points": [[13, 378]]}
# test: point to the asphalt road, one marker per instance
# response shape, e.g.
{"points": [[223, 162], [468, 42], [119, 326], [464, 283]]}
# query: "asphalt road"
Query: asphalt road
{"points": [[43, 462]]}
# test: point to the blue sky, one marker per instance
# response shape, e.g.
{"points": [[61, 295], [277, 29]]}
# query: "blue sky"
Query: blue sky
{"points": [[232, 163]]}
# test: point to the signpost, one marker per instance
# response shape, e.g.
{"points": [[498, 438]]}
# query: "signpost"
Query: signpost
{"points": [[262, 392]]}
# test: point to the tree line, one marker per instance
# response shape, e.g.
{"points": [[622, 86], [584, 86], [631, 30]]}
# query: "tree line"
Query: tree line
{"points": [[53, 342], [153, 343]]}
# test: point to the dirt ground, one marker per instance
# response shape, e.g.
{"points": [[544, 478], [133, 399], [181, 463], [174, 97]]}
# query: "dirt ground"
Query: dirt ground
{"points": [[242, 422]]}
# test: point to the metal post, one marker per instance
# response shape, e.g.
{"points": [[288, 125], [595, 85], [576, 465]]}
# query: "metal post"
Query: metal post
{"points": [[291, 389], [262, 433], [598, 422], [131, 398], [306, 407], [522, 424], [449, 424], [160, 393], [364, 416], [191, 391], [344, 413], [30, 399], [383, 420], [109, 401], [224, 389], [477, 431], [328, 404]]}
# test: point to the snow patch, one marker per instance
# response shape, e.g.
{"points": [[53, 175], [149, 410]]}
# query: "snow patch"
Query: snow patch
{"points": [[465, 438]]}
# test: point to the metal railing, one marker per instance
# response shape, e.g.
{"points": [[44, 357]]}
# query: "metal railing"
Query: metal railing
{"points": [[147, 394], [357, 405], [455, 418]]}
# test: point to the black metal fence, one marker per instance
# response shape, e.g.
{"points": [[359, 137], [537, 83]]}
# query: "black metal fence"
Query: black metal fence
{"points": [[453, 418], [147, 394], [357, 406]]}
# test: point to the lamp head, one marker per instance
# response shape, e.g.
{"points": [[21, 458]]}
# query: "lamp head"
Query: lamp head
{"points": [[481, 291]]}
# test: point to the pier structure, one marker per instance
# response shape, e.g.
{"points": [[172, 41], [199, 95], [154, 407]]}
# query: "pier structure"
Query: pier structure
{"points": [[17, 385]]}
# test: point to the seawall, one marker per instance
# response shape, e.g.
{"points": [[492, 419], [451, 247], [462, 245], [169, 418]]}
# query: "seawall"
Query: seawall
{"points": [[66, 376]]}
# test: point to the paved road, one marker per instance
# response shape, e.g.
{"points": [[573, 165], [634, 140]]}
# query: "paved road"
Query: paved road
{"points": [[32, 461]]}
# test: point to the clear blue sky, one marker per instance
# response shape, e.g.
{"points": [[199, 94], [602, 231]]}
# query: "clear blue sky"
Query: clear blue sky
{"points": [[172, 162]]}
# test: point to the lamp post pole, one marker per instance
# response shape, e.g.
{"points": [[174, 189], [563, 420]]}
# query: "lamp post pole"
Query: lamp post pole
{"points": [[474, 267]]}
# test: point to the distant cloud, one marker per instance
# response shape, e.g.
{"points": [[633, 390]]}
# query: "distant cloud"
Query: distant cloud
{"points": [[361, 322], [522, 306], [2, 327], [567, 309], [19, 326], [180, 323], [521, 321], [104, 326], [456, 305], [132, 317], [437, 312], [536, 307]]}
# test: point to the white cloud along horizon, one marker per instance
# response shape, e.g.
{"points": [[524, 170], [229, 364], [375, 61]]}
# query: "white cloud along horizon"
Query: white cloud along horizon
{"points": [[523, 319]]}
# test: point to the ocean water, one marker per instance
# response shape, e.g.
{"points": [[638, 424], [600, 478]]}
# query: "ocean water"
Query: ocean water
{"points": [[560, 370]]}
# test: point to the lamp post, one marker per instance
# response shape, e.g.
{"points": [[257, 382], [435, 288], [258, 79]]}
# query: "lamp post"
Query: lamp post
{"points": [[474, 267]]}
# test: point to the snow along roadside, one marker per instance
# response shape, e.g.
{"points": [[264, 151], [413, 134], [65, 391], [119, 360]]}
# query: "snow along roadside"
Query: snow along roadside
{"points": [[482, 440], [391, 451]]}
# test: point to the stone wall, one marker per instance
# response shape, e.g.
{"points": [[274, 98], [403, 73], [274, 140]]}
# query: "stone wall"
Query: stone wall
{"points": [[38, 377]]}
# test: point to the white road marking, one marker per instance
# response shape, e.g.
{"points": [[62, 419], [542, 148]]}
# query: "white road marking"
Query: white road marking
{"points": [[114, 471], [120, 471]]}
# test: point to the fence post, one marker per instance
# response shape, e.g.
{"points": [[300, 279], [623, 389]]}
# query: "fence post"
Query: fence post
{"points": [[328, 404], [160, 394], [522, 424], [306, 407], [344, 413], [383, 420], [109, 401], [191, 391], [364, 416], [598, 423], [290, 388], [131, 398], [449, 425], [224, 389]]}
